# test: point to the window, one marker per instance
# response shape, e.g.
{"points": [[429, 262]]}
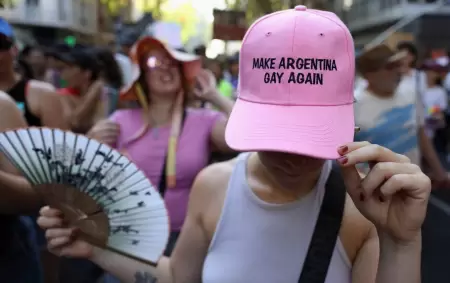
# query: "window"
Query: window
{"points": [[8, 4], [62, 11], [83, 12]]}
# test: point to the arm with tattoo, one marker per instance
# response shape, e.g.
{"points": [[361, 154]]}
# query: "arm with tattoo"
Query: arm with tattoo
{"points": [[144, 277], [186, 263]]}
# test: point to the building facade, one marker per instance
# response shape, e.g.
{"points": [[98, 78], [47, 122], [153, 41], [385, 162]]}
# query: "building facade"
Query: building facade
{"points": [[46, 20], [429, 20]]}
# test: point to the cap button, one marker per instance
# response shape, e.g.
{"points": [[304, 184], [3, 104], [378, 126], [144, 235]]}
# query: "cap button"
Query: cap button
{"points": [[300, 8]]}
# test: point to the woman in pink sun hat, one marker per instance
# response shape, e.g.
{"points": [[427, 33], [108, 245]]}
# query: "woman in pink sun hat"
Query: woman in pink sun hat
{"points": [[282, 212], [170, 141]]}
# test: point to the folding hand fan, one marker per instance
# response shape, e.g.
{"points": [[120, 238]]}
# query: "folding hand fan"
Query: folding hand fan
{"points": [[99, 190]]}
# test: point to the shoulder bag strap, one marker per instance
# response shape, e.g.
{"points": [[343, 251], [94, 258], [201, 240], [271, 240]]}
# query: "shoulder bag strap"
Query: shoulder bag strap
{"points": [[317, 261], [162, 181]]}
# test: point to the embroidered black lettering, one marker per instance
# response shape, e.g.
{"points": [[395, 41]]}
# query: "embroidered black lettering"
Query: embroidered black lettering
{"points": [[298, 77], [279, 76], [308, 63], [267, 78], [255, 63], [273, 78], [299, 63], [333, 66], [290, 63], [291, 79], [307, 78], [282, 64], [320, 64]]}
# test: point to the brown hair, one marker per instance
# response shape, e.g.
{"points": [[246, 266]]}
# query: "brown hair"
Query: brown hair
{"points": [[142, 83]]}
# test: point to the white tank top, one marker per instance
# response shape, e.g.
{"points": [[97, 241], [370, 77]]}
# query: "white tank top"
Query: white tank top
{"points": [[259, 242]]}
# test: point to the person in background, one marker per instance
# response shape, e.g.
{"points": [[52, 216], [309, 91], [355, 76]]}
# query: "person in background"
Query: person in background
{"points": [[125, 40], [413, 81], [81, 72], [40, 105], [19, 251], [82, 102], [38, 100], [148, 134], [223, 86], [36, 59], [111, 76], [233, 69], [390, 115], [55, 65], [435, 101], [446, 85], [23, 69], [201, 52]]}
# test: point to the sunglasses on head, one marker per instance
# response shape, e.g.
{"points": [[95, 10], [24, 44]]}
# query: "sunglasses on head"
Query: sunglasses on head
{"points": [[5, 43]]}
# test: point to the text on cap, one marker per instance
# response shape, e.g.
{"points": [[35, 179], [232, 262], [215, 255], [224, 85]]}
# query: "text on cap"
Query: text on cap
{"points": [[316, 66]]}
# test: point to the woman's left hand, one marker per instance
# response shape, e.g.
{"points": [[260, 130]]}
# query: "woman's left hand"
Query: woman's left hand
{"points": [[394, 194], [206, 88]]}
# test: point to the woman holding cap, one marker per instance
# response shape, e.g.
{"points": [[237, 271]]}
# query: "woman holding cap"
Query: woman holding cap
{"points": [[252, 219], [168, 140]]}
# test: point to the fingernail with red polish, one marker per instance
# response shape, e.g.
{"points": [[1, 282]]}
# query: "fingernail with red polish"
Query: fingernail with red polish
{"points": [[343, 149], [362, 197], [343, 160]]}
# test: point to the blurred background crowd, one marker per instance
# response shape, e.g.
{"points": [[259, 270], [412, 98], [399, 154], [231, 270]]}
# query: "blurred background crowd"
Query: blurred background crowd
{"points": [[81, 52]]}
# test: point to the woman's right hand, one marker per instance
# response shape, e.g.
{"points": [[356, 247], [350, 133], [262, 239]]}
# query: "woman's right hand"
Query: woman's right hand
{"points": [[105, 131], [61, 240]]}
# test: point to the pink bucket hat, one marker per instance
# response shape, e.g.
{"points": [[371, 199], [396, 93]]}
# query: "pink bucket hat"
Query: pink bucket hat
{"points": [[295, 92]]}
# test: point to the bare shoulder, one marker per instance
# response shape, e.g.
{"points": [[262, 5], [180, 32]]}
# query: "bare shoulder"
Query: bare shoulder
{"points": [[6, 100], [10, 115], [214, 173], [208, 194], [355, 229], [40, 86], [212, 181], [41, 91]]}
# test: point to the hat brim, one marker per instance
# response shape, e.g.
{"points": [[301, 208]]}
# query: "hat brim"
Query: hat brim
{"points": [[316, 131], [191, 63]]}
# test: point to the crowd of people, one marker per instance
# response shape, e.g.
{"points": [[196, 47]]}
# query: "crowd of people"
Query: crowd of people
{"points": [[182, 118]]}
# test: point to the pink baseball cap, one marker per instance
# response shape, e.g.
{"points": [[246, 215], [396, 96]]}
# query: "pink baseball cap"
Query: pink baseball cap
{"points": [[295, 93]]}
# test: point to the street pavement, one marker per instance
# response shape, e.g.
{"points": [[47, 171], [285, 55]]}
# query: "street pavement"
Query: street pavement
{"points": [[436, 239]]}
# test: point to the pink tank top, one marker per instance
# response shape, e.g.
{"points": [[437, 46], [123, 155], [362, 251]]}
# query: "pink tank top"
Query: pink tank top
{"points": [[149, 152]]}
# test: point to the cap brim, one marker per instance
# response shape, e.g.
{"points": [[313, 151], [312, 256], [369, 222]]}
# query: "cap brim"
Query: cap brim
{"points": [[316, 131]]}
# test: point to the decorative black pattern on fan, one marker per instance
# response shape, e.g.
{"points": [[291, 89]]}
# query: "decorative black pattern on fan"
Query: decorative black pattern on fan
{"points": [[99, 190]]}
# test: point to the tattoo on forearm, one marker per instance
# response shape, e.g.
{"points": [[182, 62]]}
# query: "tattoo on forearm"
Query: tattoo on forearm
{"points": [[144, 277]]}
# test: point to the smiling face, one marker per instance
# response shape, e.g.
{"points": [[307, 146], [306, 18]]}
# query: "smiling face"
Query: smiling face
{"points": [[162, 73]]}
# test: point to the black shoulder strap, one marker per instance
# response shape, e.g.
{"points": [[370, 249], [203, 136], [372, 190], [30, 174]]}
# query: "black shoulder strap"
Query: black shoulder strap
{"points": [[317, 261], [162, 181]]}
